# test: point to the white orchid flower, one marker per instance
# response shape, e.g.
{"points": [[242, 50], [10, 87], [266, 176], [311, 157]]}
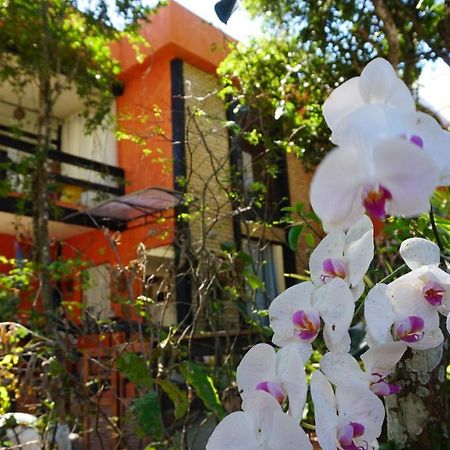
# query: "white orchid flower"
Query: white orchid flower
{"points": [[344, 255], [426, 132], [378, 85], [379, 362], [388, 177], [349, 418], [379, 98], [426, 282], [295, 316], [281, 374], [261, 426], [395, 313]]}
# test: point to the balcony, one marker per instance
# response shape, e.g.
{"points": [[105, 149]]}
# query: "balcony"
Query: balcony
{"points": [[76, 182]]}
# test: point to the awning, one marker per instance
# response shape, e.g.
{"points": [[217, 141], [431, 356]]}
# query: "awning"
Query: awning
{"points": [[119, 211]]}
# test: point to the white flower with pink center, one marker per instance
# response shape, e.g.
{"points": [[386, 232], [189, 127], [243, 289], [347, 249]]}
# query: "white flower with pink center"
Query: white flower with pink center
{"points": [[262, 425], [379, 362], [426, 282], [379, 98], [280, 374], [395, 313], [378, 86], [385, 177], [349, 418], [296, 315], [344, 255]]}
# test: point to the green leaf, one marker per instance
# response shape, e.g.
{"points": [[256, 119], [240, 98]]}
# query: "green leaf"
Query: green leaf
{"points": [[135, 369], [309, 239], [178, 397], [203, 386], [293, 236], [147, 413], [253, 280]]}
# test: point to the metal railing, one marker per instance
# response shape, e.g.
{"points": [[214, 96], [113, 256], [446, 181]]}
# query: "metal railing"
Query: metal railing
{"points": [[112, 178]]}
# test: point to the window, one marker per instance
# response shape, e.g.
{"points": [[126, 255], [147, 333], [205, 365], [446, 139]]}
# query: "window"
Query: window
{"points": [[269, 265], [97, 296]]}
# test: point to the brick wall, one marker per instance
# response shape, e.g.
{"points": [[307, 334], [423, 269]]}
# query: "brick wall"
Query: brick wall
{"points": [[208, 170], [299, 184]]}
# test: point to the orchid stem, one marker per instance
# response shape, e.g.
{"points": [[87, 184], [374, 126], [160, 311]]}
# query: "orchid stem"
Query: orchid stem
{"points": [[308, 426], [435, 230]]}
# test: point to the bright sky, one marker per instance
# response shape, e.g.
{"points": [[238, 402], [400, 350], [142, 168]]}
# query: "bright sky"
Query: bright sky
{"points": [[434, 88], [240, 26]]}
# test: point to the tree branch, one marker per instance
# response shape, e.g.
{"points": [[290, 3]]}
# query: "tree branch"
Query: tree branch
{"points": [[391, 31]]}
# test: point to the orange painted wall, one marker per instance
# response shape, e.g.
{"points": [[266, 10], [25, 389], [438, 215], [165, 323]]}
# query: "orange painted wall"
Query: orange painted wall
{"points": [[196, 41], [174, 32]]}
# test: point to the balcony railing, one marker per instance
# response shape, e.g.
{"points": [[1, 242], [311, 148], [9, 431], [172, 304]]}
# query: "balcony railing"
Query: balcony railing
{"points": [[65, 170]]}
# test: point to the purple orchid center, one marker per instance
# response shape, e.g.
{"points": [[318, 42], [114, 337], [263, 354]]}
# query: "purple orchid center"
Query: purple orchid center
{"points": [[374, 200], [410, 329], [307, 324], [273, 388], [382, 388], [433, 293], [417, 140], [333, 268], [347, 433]]}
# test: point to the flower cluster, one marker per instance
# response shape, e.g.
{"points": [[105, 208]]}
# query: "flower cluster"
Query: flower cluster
{"points": [[389, 160]]}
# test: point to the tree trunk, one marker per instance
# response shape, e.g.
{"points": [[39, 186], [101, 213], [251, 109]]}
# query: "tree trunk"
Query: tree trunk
{"points": [[418, 417], [39, 188]]}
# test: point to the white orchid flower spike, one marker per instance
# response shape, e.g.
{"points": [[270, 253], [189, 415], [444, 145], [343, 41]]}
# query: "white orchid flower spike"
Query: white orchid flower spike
{"points": [[295, 316], [348, 419], [345, 256], [379, 98], [261, 426], [388, 177], [379, 362], [395, 313], [378, 85], [427, 283], [281, 374]]}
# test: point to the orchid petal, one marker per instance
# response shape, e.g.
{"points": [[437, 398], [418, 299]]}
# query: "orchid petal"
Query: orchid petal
{"points": [[235, 431], [336, 306], [330, 247], [282, 308], [384, 122], [407, 300], [341, 367], [383, 358], [436, 142], [276, 430], [324, 410], [291, 372], [342, 101], [407, 173], [356, 403], [418, 252], [379, 314], [379, 84], [336, 188], [401, 97], [358, 249], [258, 364], [431, 339], [286, 434], [376, 81]]}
